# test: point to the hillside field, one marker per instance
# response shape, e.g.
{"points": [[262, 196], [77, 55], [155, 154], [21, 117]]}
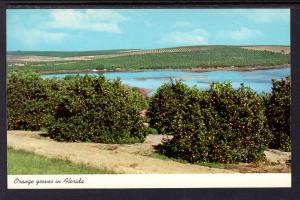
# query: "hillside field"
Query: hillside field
{"points": [[168, 58], [63, 54]]}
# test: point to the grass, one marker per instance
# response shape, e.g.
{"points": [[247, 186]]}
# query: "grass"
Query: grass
{"points": [[21, 162], [211, 56]]}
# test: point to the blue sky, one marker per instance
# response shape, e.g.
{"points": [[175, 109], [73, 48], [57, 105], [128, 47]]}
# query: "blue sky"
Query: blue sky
{"points": [[97, 29]]}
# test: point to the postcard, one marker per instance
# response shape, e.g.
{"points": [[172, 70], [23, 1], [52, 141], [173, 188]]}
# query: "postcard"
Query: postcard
{"points": [[148, 98]]}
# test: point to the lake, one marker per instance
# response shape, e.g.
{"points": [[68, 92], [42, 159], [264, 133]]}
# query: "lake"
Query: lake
{"points": [[258, 80]]}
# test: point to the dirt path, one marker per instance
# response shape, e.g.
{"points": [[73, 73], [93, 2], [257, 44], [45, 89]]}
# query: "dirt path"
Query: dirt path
{"points": [[119, 158]]}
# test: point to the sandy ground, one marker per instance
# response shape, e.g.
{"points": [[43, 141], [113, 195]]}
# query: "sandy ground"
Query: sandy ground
{"points": [[134, 158], [276, 49], [119, 158], [234, 68]]}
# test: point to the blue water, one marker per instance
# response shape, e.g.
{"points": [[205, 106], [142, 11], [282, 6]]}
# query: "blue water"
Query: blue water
{"points": [[258, 80]]}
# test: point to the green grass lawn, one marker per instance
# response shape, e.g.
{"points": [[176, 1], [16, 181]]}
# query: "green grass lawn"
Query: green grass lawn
{"points": [[21, 162]]}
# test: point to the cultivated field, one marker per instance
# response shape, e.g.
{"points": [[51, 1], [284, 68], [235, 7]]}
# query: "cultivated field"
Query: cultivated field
{"points": [[168, 58]]}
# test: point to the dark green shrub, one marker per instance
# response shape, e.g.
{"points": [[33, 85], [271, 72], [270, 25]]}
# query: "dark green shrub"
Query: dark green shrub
{"points": [[165, 104], [241, 131], [97, 110], [220, 125], [27, 100], [278, 114]]}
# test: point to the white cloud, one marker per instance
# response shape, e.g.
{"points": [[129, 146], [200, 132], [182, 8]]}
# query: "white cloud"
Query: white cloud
{"points": [[268, 15], [51, 29], [244, 34], [195, 37], [33, 37], [102, 20]]}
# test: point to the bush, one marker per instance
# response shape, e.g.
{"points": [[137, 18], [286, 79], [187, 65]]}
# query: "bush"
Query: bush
{"points": [[76, 108], [242, 132], [220, 125], [94, 109], [278, 114], [166, 104], [27, 100]]}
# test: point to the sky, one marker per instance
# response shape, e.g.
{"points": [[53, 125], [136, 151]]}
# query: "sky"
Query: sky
{"points": [[100, 29]]}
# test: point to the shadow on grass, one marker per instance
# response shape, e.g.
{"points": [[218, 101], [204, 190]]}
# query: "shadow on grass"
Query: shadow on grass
{"points": [[255, 167]]}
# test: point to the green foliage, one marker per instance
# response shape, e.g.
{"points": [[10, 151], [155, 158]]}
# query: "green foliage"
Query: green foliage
{"points": [[166, 104], [96, 110], [76, 108], [220, 125], [28, 100], [152, 131], [278, 114]]}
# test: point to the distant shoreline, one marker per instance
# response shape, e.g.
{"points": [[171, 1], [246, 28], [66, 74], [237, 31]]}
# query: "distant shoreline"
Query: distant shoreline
{"points": [[194, 69]]}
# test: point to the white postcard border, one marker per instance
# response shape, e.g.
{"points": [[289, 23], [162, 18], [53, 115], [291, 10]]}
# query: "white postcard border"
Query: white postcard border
{"points": [[109, 181]]}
